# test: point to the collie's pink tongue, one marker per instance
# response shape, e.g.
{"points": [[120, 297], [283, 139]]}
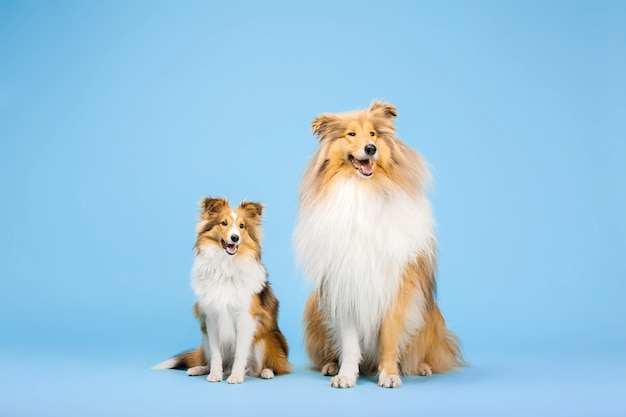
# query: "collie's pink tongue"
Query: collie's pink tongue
{"points": [[366, 167]]}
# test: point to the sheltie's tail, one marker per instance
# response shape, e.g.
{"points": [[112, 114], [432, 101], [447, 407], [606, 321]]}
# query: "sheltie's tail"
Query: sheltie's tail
{"points": [[184, 360]]}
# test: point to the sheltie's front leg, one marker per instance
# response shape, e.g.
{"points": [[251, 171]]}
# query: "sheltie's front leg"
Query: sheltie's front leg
{"points": [[213, 347], [245, 326], [350, 350]]}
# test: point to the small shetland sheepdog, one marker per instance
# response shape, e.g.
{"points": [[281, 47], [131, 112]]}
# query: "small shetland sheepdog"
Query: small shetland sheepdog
{"points": [[236, 306], [365, 239]]}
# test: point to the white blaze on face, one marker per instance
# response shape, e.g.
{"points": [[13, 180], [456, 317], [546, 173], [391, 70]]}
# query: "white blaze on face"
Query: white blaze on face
{"points": [[232, 239], [233, 232]]}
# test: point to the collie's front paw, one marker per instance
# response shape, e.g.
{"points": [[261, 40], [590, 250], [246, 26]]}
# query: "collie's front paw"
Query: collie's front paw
{"points": [[198, 370], [389, 381], [267, 373], [215, 377], [342, 381], [235, 379]]}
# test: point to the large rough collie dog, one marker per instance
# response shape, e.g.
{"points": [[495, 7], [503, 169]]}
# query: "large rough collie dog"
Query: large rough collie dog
{"points": [[235, 304], [364, 237]]}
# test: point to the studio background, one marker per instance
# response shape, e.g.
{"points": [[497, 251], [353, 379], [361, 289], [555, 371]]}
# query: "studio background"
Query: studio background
{"points": [[116, 118]]}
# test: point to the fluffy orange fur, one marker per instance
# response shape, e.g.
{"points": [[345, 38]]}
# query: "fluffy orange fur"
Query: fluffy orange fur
{"points": [[404, 348], [397, 165]]}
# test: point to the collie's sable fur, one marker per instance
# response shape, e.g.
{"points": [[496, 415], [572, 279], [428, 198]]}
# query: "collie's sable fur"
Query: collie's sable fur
{"points": [[364, 238], [236, 306]]}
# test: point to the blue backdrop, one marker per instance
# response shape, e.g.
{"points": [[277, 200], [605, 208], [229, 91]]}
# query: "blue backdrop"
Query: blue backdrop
{"points": [[117, 117]]}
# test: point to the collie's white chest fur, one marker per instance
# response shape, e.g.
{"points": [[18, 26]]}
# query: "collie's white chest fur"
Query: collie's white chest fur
{"points": [[224, 286], [354, 245]]}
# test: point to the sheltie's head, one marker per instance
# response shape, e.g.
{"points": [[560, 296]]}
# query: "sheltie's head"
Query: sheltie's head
{"points": [[235, 230], [363, 144]]}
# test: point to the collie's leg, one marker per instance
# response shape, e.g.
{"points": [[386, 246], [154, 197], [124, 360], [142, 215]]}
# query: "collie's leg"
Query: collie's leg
{"points": [[390, 334], [433, 349], [319, 345], [350, 359], [438, 348], [404, 318]]}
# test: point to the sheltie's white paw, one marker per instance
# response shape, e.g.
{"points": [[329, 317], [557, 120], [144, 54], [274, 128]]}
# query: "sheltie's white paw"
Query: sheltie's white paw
{"points": [[198, 370], [267, 373], [235, 379], [330, 369], [215, 377], [389, 381], [343, 381]]}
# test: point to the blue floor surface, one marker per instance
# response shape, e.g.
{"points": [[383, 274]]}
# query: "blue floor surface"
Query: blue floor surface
{"points": [[41, 385]]}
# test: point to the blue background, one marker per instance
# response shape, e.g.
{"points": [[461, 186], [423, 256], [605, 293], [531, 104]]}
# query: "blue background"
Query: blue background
{"points": [[117, 117]]}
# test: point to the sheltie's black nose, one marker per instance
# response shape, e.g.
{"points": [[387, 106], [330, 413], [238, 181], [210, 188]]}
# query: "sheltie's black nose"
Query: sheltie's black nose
{"points": [[370, 149], [234, 238]]}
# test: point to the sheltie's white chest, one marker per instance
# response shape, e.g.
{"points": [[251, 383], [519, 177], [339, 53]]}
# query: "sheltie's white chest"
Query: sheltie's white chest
{"points": [[224, 286], [354, 245]]}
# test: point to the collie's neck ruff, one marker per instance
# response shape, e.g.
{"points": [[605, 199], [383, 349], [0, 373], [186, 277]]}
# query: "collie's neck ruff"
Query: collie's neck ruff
{"points": [[353, 244]]}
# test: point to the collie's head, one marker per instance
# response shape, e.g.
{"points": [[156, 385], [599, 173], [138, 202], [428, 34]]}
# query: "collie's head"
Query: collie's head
{"points": [[237, 231], [363, 145]]}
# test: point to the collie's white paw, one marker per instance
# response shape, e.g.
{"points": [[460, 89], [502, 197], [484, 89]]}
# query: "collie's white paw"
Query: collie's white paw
{"points": [[342, 381], [198, 370], [389, 381], [330, 369], [235, 379], [424, 369], [215, 377], [267, 373]]}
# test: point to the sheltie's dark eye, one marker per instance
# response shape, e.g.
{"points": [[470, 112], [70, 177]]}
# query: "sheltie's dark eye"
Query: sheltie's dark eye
{"points": [[372, 134], [351, 134], [241, 225], [224, 223]]}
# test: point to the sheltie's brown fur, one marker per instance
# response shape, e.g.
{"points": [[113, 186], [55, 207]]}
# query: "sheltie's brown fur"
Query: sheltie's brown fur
{"points": [[361, 183]]}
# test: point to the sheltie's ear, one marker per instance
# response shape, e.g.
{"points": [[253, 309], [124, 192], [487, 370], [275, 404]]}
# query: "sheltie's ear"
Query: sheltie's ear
{"points": [[386, 110], [254, 210], [323, 125], [211, 205]]}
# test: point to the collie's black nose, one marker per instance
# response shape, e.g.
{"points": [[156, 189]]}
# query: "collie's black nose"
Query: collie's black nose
{"points": [[370, 149], [234, 238]]}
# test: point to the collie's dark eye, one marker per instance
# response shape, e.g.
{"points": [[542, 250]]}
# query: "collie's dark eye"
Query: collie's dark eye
{"points": [[351, 134], [241, 225], [224, 223], [372, 134]]}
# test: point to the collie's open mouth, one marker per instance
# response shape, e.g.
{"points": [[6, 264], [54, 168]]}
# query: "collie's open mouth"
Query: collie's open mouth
{"points": [[230, 248], [364, 166]]}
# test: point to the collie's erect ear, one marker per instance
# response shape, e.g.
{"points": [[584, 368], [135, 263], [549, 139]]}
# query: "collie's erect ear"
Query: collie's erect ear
{"points": [[212, 205], [385, 110], [254, 210], [323, 124]]}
